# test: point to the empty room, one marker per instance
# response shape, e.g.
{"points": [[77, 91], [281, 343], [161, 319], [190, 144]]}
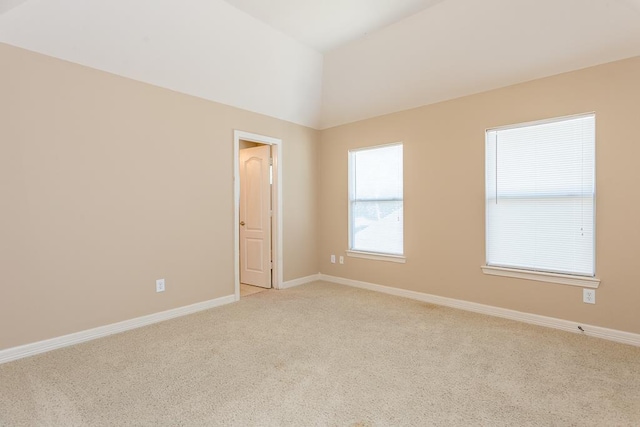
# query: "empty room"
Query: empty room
{"points": [[324, 213]]}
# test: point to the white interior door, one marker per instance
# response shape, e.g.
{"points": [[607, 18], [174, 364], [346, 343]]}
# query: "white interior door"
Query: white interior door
{"points": [[255, 217]]}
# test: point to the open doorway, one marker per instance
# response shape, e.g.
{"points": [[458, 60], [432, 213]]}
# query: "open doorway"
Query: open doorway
{"points": [[257, 217]]}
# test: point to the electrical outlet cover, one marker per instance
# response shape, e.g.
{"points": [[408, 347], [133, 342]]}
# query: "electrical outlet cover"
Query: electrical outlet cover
{"points": [[160, 285], [589, 296]]}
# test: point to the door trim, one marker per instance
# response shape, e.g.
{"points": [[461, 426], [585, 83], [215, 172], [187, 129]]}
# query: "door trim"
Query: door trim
{"points": [[276, 204]]}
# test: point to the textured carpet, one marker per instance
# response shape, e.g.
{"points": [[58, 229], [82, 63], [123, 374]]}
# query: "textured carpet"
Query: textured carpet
{"points": [[324, 354]]}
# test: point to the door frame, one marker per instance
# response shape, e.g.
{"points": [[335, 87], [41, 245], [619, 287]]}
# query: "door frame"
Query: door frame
{"points": [[276, 206]]}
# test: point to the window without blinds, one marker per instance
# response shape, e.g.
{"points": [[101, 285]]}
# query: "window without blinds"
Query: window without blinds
{"points": [[375, 200], [540, 196]]}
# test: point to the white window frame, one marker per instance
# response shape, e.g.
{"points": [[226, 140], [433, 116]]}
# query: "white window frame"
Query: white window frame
{"points": [[378, 256], [542, 276]]}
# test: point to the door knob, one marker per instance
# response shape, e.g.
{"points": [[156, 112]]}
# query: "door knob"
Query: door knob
{"points": [[242, 223]]}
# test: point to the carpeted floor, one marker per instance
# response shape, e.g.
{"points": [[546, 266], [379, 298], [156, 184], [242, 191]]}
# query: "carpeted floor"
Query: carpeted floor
{"points": [[328, 355]]}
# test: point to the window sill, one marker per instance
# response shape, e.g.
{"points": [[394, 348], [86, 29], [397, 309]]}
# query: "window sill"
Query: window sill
{"points": [[378, 257], [564, 279]]}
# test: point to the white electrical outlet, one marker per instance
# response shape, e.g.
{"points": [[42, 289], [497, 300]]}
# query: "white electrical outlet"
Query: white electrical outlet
{"points": [[160, 285], [333, 259], [589, 296], [341, 259]]}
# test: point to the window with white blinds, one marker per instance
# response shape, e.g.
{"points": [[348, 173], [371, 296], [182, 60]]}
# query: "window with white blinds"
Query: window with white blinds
{"points": [[540, 196], [375, 200]]}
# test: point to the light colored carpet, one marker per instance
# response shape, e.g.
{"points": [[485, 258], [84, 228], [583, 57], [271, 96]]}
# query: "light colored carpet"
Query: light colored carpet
{"points": [[328, 355]]}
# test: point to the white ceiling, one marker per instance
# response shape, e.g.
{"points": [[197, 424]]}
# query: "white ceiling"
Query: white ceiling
{"points": [[326, 24], [461, 47], [205, 48], [5, 5], [379, 56]]}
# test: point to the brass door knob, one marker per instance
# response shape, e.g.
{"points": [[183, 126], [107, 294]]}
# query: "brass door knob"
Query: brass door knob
{"points": [[242, 223]]}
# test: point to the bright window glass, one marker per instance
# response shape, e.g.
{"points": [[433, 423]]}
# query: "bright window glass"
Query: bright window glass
{"points": [[376, 222]]}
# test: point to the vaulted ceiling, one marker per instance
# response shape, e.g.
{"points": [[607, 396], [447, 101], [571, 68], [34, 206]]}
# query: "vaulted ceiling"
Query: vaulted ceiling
{"points": [[325, 63], [324, 25]]}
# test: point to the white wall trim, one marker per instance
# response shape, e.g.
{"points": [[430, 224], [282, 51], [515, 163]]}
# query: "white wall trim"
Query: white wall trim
{"points": [[541, 276], [32, 349], [378, 257], [300, 281], [278, 267], [535, 319]]}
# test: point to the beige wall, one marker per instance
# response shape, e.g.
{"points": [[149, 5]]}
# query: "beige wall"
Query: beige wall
{"points": [[242, 144], [107, 184], [444, 195]]}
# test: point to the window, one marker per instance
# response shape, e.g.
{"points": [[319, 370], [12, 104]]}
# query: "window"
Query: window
{"points": [[375, 200], [540, 196]]}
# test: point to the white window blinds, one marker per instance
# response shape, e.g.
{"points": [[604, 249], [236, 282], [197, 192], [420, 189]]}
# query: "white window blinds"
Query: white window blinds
{"points": [[540, 196], [375, 200]]}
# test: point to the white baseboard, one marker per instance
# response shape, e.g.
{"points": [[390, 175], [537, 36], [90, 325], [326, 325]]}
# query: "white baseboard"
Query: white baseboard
{"points": [[32, 349], [300, 281], [535, 319]]}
